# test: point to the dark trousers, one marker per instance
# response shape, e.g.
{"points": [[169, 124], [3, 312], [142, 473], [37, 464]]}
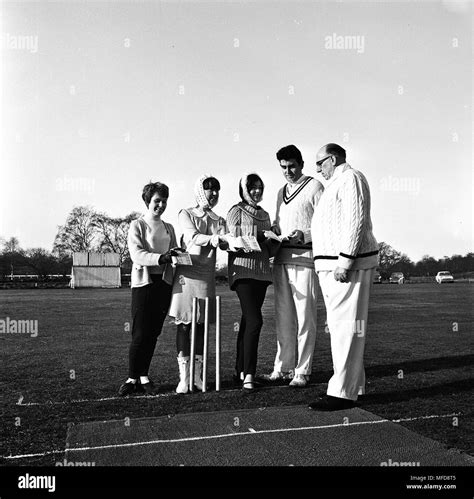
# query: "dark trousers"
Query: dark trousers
{"points": [[251, 295], [150, 305]]}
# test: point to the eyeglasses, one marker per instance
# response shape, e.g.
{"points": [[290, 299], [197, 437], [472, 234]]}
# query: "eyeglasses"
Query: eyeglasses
{"points": [[321, 161]]}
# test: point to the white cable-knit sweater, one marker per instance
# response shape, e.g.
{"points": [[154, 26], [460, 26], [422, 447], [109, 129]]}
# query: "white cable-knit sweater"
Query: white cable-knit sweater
{"points": [[295, 210], [341, 228]]}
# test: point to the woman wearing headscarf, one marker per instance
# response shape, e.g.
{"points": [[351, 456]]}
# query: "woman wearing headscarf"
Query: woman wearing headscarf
{"points": [[203, 231], [152, 243], [250, 273]]}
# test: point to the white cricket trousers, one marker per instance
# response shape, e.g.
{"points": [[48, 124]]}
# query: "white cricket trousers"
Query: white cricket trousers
{"points": [[347, 305], [295, 317]]}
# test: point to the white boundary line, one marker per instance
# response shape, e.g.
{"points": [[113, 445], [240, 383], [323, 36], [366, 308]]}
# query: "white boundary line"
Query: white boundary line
{"points": [[227, 435], [158, 395], [80, 401]]}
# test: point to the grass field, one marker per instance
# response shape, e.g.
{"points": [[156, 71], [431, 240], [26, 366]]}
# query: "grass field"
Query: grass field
{"points": [[419, 362]]}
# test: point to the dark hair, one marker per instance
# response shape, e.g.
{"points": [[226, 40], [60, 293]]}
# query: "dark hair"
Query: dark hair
{"points": [[251, 179], [290, 152], [211, 183], [336, 150], [154, 187]]}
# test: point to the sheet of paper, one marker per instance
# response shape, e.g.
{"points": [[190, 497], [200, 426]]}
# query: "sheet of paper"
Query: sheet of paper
{"points": [[271, 235], [251, 243], [182, 259], [246, 243]]}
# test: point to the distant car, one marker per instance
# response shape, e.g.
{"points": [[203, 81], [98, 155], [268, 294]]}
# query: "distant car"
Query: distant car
{"points": [[397, 278], [444, 276], [377, 278]]}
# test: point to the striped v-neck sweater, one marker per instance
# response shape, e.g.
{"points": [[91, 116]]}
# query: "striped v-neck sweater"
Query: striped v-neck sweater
{"points": [[295, 210]]}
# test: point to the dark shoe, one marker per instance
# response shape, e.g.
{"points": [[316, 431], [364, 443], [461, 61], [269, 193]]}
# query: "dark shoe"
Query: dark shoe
{"points": [[127, 389], [329, 403], [149, 388]]}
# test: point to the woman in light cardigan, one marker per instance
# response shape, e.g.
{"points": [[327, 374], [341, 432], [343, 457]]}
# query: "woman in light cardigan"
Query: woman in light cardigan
{"points": [[152, 243], [203, 231], [249, 274]]}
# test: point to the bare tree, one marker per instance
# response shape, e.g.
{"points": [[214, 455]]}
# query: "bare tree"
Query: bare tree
{"points": [[79, 232], [112, 233], [11, 245], [12, 256]]}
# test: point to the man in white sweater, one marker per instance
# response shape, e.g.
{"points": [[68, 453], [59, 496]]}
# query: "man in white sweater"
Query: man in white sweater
{"points": [[345, 257], [293, 274]]}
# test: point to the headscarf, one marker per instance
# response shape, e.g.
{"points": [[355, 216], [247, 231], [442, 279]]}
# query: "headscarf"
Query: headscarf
{"points": [[201, 199], [245, 191], [199, 193]]}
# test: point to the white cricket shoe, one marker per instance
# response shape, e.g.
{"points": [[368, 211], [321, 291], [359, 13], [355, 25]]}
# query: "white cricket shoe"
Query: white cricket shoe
{"points": [[299, 380], [183, 364], [278, 376]]}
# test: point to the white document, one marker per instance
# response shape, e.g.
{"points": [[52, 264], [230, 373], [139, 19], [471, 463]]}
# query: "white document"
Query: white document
{"points": [[182, 259], [269, 234], [247, 243]]}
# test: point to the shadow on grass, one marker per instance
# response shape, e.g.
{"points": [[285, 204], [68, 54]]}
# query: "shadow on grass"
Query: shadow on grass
{"points": [[409, 366], [421, 365], [452, 388], [317, 378]]}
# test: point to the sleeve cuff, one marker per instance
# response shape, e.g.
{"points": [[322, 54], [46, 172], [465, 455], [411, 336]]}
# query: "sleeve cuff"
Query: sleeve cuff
{"points": [[345, 261]]}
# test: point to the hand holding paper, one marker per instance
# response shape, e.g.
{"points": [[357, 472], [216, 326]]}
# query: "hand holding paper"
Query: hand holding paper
{"points": [[181, 257], [271, 235]]}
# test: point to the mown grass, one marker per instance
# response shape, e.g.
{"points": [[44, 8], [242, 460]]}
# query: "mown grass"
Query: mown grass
{"points": [[418, 362]]}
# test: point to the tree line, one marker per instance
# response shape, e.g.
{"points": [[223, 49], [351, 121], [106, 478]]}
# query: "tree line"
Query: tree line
{"points": [[391, 260], [85, 229]]}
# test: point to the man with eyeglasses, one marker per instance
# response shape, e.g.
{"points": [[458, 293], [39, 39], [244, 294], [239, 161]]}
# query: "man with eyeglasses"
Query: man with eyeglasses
{"points": [[294, 279], [345, 258]]}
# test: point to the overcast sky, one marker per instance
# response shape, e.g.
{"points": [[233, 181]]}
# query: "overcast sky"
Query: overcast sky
{"points": [[99, 98]]}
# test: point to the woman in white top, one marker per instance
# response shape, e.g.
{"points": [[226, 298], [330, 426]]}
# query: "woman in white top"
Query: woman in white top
{"points": [[203, 231], [152, 243]]}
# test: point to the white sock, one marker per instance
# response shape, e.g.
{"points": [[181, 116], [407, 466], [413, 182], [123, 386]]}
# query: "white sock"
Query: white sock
{"points": [[131, 380], [144, 380]]}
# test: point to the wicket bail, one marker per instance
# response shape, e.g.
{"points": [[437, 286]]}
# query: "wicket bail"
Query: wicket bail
{"points": [[206, 344]]}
